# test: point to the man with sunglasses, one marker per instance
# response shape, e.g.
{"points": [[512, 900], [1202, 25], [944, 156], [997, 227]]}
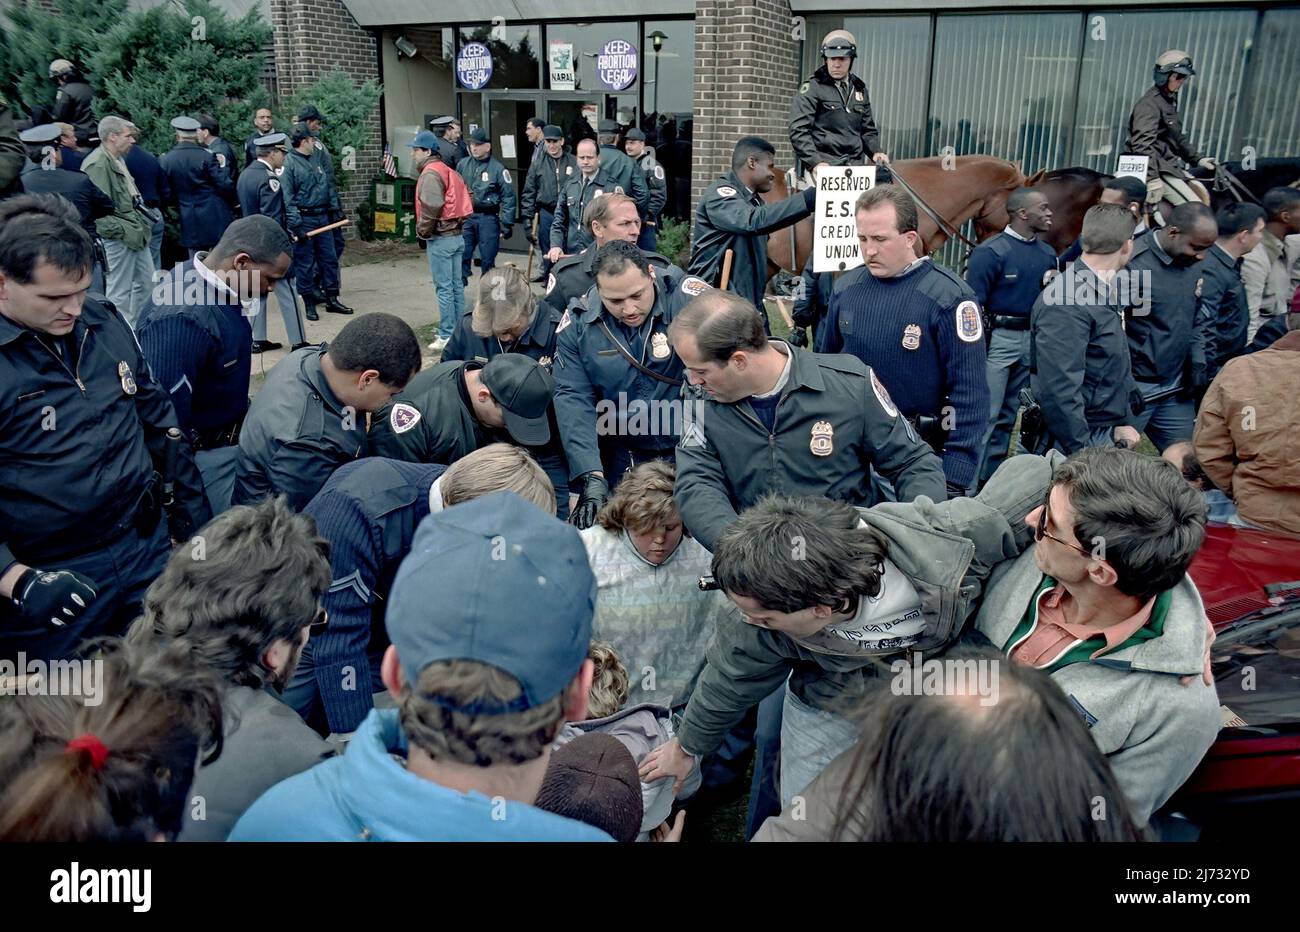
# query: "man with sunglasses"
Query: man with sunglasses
{"points": [[1103, 603]]}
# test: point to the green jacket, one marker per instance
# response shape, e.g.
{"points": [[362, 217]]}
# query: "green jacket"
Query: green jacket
{"points": [[125, 223], [947, 550]]}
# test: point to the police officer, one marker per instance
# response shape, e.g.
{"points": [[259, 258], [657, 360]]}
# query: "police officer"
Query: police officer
{"points": [[448, 151], [1006, 272], [1079, 359], [209, 137], [1155, 129], [312, 120], [830, 118], [146, 171], [493, 192], [732, 216], [75, 101], [198, 186], [779, 419], [616, 375], [607, 218], [194, 332], [307, 208], [1126, 191], [263, 124], [84, 435], [309, 417], [44, 173], [457, 139], [549, 173], [919, 328], [1171, 333], [260, 192], [1241, 229], [645, 159], [590, 182], [622, 169]]}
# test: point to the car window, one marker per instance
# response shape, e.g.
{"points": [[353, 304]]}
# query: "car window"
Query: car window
{"points": [[1257, 672]]}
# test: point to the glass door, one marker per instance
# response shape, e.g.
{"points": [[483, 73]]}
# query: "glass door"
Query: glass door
{"points": [[507, 124]]}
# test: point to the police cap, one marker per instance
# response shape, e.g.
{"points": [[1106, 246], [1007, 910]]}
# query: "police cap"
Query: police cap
{"points": [[608, 126], [184, 124], [309, 112], [47, 132], [635, 135], [479, 135], [271, 139], [551, 131], [442, 121]]}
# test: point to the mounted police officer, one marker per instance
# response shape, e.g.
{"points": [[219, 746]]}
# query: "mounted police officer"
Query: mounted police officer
{"points": [[620, 167], [93, 457], [260, 192], [550, 171], [307, 207], [199, 186], [645, 159], [1155, 129], [830, 118], [75, 101], [590, 182], [616, 374], [312, 120], [732, 215], [493, 192]]}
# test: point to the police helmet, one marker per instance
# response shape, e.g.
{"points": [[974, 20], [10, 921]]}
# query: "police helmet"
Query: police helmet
{"points": [[839, 44], [61, 66], [1174, 61]]}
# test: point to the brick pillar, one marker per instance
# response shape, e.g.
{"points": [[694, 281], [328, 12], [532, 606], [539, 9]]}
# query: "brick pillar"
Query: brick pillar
{"points": [[312, 38], [746, 72]]}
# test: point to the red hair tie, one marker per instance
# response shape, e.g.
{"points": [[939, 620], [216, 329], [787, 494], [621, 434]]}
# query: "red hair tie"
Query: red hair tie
{"points": [[92, 745]]}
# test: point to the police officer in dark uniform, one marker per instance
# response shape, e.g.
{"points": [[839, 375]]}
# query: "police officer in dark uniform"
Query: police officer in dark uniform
{"points": [[552, 168], [1241, 229], [1155, 129], [919, 328], [622, 169], [90, 468], [493, 192], [75, 101], [1126, 191], [590, 181], [448, 151], [260, 192], [307, 208], [198, 186], [616, 374], [644, 157], [773, 418], [263, 124], [733, 216], [210, 138], [44, 173], [457, 139], [312, 120], [830, 118], [607, 218], [1006, 272]]}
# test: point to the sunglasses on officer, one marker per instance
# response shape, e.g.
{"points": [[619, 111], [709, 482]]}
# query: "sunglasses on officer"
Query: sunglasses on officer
{"points": [[1041, 530]]}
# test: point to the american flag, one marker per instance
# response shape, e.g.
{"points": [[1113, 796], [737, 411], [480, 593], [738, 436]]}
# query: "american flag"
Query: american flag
{"points": [[390, 164]]}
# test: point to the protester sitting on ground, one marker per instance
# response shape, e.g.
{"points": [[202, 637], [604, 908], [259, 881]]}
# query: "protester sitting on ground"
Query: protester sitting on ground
{"points": [[490, 621], [1248, 438], [115, 771], [650, 607], [593, 780], [369, 511], [244, 610], [951, 766], [1103, 603]]}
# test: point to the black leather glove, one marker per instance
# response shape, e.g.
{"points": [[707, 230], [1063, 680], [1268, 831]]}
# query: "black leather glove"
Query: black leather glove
{"points": [[57, 596], [595, 492], [798, 337]]}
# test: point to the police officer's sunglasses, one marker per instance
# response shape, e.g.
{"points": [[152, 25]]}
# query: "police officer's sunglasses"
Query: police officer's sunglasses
{"points": [[1041, 531]]}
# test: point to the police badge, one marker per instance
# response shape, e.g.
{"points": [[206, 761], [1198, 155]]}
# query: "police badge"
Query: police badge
{"points": [[568, 169], [128, 381], [1199, 282], [969, 326], [659, 347], [823, 439], [544, 362], [485, 176], [403, 418], [912, 337]]}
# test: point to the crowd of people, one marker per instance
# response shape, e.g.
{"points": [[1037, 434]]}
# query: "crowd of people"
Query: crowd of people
{"points": [[620, 554]]}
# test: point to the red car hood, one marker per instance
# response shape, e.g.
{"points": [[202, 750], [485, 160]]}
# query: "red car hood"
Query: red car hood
{"points": [[1234, 565]]}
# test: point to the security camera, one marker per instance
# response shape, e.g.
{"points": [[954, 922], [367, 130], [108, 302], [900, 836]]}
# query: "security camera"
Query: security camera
{"points": [[405, 47]]}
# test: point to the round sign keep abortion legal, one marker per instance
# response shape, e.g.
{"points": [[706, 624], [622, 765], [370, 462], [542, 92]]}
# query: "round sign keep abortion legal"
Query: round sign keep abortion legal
{"points": [[616, 64], [474, 65]]}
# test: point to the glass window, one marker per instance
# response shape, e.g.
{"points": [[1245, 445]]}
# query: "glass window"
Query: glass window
{"points": [[1273, 124], [626, 66], [514, 51], [668, 84]]}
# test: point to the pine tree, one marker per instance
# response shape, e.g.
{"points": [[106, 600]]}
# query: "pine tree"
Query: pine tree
{"points": [[31, 38], [348, 108]]}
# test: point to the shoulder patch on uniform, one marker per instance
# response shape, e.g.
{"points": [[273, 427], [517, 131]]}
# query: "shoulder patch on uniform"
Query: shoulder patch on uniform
{"points": [[726, 191], [274, 183], [565, 319], [318, 144], [882, 395], [505, 173], [221, 159], [659, 172], [550, 283], [803, 88], [695, 286], [969, 326], [403, 417]]}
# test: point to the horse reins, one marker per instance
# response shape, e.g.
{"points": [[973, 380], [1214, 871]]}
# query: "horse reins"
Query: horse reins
{"points": [[1224, 180], [944, 226]]}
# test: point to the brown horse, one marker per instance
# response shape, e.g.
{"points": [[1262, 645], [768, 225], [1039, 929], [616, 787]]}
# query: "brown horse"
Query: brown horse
{"points": [[1070, 192], [976, 187]]}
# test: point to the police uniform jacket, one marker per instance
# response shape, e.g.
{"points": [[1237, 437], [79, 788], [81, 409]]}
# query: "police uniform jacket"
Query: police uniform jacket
{"points": [[200, 187], [1224, 297], [261, 192], [81, 436], [537, 342], [620, 166], [567, 230], [572, 277], [589, 369], [296, 433], [432, 420], [1006, 273], [449, 152], [320, 157], [834, 423], [1079, 359], [306, 190], [730, 216], [545, 179], [226, 158], [1173, 339], [655, 181], [1155, 129], [368, 511], [829, 125], [250, 148], [491, 188], [148, 175], [199, 346], [77, 187], [74, 104]]}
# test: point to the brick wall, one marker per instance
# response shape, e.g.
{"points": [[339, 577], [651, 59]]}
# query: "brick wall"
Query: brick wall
{"points": [[312, 38], [746, 72]]}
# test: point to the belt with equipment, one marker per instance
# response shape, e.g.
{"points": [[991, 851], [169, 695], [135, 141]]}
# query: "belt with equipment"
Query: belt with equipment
{"points": [[1010, 322]]}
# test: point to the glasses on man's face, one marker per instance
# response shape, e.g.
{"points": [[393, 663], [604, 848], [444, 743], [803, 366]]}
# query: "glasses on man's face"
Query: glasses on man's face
{"points": [[318, 623], [1041, 531]]}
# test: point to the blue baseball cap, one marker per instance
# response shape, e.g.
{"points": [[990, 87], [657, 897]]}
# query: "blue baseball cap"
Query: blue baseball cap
{"points": [[425, 140], [498, 581]]}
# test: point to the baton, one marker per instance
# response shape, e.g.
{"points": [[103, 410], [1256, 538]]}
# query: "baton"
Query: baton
{"points": [[338, 223], [726, 269]]}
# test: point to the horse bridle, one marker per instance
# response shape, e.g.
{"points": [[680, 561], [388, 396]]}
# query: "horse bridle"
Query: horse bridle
{"points": [[1225, 180], [944, 226]]}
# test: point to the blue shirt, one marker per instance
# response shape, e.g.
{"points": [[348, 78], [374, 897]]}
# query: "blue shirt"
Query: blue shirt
{"points": [[1006, 273], [368, 795]]}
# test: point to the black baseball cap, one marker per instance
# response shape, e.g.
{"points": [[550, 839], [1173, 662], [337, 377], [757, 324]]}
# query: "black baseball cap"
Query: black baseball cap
{"points": [[635, 135], [524, 391], [309, 112], [609, 126], [479, 135], [551, 131]]}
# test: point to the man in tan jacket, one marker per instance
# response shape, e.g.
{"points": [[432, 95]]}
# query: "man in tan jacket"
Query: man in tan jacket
{"points": [[439, 221], [1248, 436]]}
